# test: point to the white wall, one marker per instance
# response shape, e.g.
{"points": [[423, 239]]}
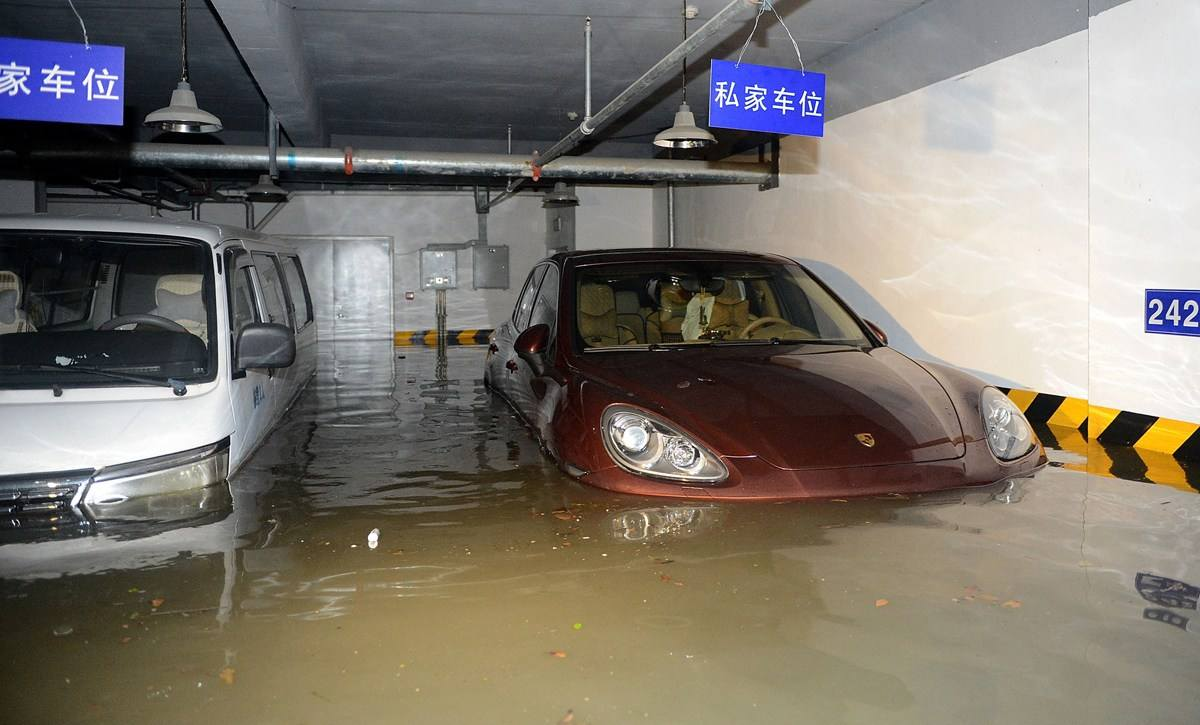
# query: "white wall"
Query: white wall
{"points": [[954, 216], [958, 215], [608, 216], [1145, 187]]}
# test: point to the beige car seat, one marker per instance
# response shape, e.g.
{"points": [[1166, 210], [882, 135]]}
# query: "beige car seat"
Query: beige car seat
{"points": [[672, 308], [598, 317], [178, 297], [629, 314], [730, 310], [12, 317]]}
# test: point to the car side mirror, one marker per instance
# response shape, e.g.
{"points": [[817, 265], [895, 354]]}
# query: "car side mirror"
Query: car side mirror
{"points": [[878, 331], [265, 345], [532, 346]]}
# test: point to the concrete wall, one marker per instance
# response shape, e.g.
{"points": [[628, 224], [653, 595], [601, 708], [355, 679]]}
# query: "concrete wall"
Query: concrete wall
{"points": [[609, 216], [957, 213]]}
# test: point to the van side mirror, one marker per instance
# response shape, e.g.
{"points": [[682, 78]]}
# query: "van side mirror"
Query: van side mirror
{"points": [[265, 345], [532, 346], [878, 331]]}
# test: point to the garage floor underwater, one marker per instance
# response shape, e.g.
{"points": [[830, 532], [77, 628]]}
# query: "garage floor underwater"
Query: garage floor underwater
{"points": [[501, 591]]}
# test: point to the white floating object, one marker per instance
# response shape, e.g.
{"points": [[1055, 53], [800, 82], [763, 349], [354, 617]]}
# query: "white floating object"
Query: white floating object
{"points": [[373, 538]]}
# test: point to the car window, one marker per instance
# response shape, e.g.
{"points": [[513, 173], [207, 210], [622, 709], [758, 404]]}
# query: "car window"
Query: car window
{"points": [[702, 302], [242, 309], [525, 305], [545, 307], [297, 288], [274, 301]]}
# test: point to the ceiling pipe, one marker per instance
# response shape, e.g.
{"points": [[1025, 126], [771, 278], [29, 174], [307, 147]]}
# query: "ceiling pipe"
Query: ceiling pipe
{"points": [[637, 90], [407, 163]]}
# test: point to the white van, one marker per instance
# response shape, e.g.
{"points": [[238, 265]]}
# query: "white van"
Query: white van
{"points": [[141, 357]]}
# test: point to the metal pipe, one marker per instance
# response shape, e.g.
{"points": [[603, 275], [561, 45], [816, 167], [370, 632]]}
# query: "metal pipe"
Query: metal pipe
{"points": [[671, 214], [272, 143], [587, 75], [270, 215], [403, 163]]}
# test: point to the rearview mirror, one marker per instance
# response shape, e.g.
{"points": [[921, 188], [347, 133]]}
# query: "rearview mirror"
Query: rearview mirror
{"points": [[531, 346], [878, 331], [265, 345]]}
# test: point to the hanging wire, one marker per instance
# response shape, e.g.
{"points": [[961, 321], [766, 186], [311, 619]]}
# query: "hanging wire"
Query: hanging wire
{"points": [[683, 74], [183, 49], [765, 5], [79, 17]]}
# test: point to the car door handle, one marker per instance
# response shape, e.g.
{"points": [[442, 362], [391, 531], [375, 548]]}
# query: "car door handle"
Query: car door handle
{"points": [[511, 365], [492, 348]]}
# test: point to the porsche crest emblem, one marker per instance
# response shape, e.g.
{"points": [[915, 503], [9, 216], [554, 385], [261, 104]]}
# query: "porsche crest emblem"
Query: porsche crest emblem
{"points": [[866, 439]]}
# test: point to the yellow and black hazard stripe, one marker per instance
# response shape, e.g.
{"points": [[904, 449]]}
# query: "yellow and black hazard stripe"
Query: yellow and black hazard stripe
{"points": [[428, 338], [1118, 443]]}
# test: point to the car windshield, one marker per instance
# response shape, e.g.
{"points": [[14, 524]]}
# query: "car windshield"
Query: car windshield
{"points": [[706, 302], [79, 309]]}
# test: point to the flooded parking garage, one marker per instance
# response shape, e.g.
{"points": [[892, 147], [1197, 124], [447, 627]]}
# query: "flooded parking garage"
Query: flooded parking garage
{"points": [[499, 590]]}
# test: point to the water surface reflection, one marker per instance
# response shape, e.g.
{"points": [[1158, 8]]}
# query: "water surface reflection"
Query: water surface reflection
{"points": [[501, 591]]}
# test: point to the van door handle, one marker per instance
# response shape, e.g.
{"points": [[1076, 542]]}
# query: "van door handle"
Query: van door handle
{"points": [[511, 365]]}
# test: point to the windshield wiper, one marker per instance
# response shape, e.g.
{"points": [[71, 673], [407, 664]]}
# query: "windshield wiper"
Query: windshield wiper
{"points": [[177, 386]]}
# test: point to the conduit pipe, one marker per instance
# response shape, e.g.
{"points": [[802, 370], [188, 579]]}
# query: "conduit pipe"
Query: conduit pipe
{"points": [[406, 163]]}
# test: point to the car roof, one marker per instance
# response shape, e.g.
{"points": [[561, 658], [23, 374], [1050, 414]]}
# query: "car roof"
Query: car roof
{"points": [[661, 254], [213, 234]]}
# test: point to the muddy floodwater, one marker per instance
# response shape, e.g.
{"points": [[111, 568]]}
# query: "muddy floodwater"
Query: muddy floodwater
{"points": [[500, 591]]}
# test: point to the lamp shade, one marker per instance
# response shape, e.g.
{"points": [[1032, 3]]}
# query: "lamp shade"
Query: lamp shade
{"points": [[559, 196], [266, 190], [183, 115], [685, 134]]}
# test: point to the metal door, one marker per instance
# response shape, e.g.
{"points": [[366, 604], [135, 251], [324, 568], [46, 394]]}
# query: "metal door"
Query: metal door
{"points": [[350, 280]]}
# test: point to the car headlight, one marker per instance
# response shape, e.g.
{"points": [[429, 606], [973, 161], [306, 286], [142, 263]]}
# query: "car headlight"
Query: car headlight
{"points": [[185, 471], [1008, 433], [643, 444]]}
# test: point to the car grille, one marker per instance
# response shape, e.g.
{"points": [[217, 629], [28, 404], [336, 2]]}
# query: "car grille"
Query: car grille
{"points": [[43, 493]]}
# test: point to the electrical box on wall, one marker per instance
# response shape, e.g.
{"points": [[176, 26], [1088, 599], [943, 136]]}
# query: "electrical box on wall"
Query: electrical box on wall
{"points": [[490, 266], [439, 268]]}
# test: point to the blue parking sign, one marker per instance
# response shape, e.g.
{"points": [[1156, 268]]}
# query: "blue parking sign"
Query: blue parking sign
{"points": [[764, 98], [42, 80], [1172, 312]]}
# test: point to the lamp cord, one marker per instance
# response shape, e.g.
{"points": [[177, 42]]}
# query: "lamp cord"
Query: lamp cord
{"points": [[183, 49], [683, 70]]}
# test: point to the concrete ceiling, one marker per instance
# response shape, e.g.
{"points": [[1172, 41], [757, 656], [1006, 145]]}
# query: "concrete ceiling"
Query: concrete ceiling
{"points": [[424, 75]]}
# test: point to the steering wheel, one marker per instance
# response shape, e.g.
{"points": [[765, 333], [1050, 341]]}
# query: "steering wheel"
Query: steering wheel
{"points": [[162, 323], [632, 334], [764, 321]]}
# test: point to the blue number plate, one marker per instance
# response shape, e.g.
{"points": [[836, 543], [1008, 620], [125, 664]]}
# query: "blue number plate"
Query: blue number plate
{"points": [[1173, 311]]}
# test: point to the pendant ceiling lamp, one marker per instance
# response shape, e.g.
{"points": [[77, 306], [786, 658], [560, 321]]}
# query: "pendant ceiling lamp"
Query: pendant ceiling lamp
{"points": [[183, 115], [684, 134]]}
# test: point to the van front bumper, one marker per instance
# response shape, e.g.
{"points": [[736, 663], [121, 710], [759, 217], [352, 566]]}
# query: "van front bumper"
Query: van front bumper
{"points": [[115, 490]]}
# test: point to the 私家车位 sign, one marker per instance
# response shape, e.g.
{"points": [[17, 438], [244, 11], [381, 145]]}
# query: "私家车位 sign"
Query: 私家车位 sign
{"points": [[764, 98], [42, 80], [1173, 312]]}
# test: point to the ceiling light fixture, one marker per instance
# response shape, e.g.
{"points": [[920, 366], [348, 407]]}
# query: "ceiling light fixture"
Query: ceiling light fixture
{"points": [[266, 190], [183, 115], [684, 134], [560, 196]]}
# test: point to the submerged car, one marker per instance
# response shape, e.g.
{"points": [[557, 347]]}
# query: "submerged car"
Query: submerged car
{"points": [[141, 358], [713, 374]]}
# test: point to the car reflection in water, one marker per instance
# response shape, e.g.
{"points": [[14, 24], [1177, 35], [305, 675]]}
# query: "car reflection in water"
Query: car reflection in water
{"points": [[680, 522]]}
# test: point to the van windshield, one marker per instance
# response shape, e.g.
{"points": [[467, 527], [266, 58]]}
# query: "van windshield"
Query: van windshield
{"points": [[83, 310], [705, 303]]}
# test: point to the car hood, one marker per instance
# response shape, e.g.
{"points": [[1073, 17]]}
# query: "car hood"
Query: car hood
{"points": [[797, 407], [97, 427]]}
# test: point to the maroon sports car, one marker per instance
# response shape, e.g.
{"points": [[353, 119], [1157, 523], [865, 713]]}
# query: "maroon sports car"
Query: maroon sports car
{"points": [[714, 374]]}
